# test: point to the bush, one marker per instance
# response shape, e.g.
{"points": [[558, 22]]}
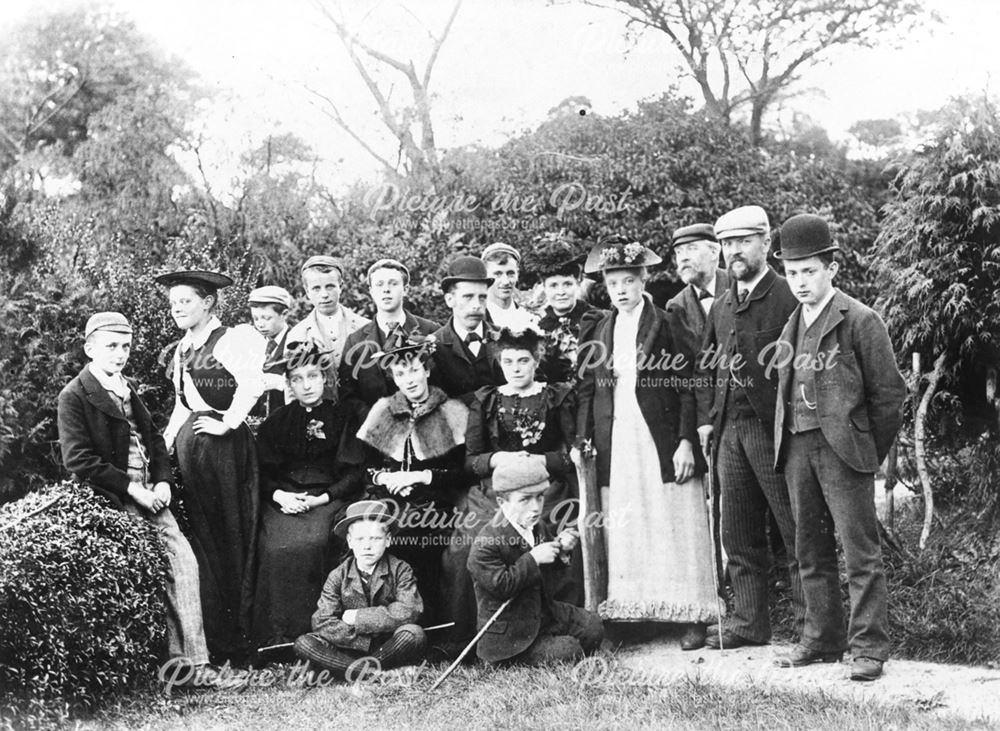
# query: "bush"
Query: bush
{"points": [[82, 613]]}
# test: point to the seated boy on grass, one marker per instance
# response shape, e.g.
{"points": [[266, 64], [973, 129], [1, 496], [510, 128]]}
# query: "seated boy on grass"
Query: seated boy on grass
{"points": [[515, 557], [370, 603]]}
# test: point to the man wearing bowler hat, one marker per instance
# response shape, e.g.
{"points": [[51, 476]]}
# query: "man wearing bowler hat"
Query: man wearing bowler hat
{"points": [[465, 360], [736, 396], [840, 399]]}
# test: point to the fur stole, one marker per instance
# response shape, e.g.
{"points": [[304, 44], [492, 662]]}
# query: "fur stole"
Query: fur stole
{"points": [[436, 429]]}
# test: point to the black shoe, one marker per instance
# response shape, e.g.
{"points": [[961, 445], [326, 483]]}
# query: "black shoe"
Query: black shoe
{"points": [[694, 637], [866, 668], [800, 655], [730, 640]]}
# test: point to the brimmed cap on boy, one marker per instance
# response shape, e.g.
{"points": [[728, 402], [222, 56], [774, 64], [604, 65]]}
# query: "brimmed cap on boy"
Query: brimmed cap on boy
{"points": [[500, 248], [323, 261], [375, 510], [270, 295], [525, 473], [110, 321]]}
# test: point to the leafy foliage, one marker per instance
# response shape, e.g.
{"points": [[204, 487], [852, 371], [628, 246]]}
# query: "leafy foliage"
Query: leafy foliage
{"points": [[82, 616]]}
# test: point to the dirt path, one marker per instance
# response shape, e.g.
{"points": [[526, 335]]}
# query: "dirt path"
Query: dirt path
{"points": [[972, 693]]}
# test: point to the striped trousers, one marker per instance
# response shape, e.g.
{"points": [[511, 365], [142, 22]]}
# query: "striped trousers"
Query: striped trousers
{"points": [[749, 485]]}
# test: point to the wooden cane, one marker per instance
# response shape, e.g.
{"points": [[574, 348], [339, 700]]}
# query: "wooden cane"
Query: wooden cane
{"points": [[479, 634], [716, 554], [591, 527]]}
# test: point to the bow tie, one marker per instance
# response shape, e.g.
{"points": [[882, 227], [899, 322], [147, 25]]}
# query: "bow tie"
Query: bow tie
{"points": [[704, 294], [473, 338]]}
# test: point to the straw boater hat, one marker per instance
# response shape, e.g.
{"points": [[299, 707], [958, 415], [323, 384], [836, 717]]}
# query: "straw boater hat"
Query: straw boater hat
{"points": [[617, 252]]}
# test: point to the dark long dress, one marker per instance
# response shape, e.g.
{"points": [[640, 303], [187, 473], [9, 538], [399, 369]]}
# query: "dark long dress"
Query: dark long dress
{"points": [[301, 450], [543, 424], [431, 437]]}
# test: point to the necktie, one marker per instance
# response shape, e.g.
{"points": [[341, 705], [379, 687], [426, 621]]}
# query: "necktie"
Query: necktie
{"points": [[743, 295]]}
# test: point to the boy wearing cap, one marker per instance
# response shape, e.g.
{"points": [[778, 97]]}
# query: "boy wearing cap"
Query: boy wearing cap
{"points": [[360, 373], [109, 441], [503, 267], [466, 359], [329, 323], [269, 312], [370, 604], [736, 396], [515, 558], [839, 408]]}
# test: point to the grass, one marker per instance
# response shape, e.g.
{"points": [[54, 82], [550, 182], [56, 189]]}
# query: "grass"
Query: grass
{"points": [[477, 697]]}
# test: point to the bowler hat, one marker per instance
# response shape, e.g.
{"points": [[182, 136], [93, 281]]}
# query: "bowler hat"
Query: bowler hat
{"points": [[375, 510], [465, 269], [270, 295], [114, 322], [618, 253], [742, 221], [803, 236], [198, 277], [692, 233], [500, 248], [523, 472]]}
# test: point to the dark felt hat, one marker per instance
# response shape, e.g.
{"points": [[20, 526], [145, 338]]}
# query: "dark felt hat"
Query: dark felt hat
{"points": [[803, 236], [305, 353], [552, 254], [200, 277], [692, 233], [364, 510], [465, 269], [619, 253]]}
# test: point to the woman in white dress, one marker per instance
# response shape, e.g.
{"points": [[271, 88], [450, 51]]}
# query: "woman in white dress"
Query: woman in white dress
{"points": [[637, 409]]}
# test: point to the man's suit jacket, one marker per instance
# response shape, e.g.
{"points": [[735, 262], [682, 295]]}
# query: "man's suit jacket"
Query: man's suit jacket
{"points": [[859, 390], [750, 330], [94, 437], [502, 569], [687, 308], [457, 372], [310, 330], [665, 392], [360, 374]]}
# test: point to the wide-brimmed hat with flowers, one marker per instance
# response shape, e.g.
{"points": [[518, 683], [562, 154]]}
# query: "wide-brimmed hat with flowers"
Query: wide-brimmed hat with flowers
{"points": [[617, 252]]}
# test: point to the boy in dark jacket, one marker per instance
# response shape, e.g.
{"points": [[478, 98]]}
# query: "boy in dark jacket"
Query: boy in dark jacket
{"points": [[370, 604], [515, 558], [108, 440]]}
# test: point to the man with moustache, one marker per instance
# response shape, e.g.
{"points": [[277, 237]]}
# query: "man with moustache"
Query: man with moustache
{"points": [[360, 374], [736, 403], [464, 359], [696, 254], [839, 408]]}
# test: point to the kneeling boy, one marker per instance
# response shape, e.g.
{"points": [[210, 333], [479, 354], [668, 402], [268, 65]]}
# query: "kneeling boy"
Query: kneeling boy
{"points": [[515, 557], [108, 440], [370, 603]]}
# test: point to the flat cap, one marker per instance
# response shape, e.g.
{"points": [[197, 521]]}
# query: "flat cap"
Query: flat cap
{"points": [[500, 248], [524, 472], [270, 295], [114, 322], [742, 221], [323, 261], [364, 510], [692, 233], [199, 277], [390, 264]]}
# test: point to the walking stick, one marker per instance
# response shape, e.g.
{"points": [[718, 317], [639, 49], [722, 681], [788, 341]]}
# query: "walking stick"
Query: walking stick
{"points": [[592, 544], [714, 537], [479, 634]]}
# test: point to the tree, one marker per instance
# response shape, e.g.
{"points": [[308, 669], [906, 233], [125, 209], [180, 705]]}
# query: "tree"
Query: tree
{"points": [[748, 54], [417, 150]]}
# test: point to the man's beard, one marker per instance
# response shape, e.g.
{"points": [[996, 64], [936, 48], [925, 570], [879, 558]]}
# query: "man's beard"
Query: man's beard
{"points": [[750, 271]]}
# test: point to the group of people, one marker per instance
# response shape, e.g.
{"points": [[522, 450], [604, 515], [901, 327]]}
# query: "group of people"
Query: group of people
{"points": [[390, 487]]}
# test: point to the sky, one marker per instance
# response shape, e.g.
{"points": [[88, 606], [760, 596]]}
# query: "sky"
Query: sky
{"points": [[504, 65]]}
